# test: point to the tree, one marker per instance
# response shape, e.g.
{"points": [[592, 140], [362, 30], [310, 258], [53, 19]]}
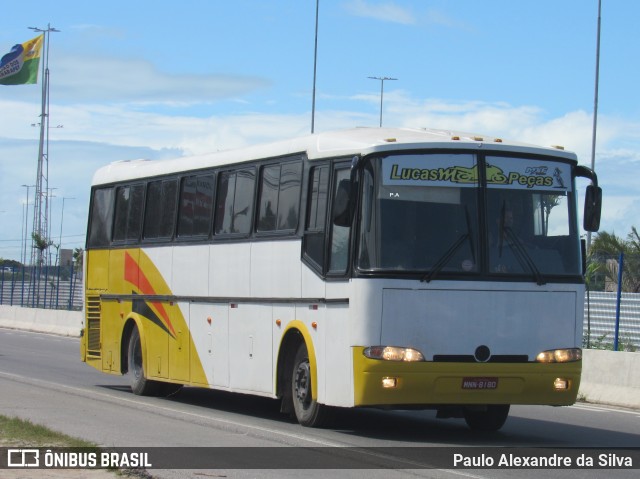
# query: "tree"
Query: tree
{"points": [[605, 252], [78, 255], [41, 244]]}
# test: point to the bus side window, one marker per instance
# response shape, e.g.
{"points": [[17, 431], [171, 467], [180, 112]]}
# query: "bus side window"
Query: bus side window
{"points": [[235, 199], [128, 214], [196, 206], [159, 215], [101, 218], [279, 197], [313, 248]]}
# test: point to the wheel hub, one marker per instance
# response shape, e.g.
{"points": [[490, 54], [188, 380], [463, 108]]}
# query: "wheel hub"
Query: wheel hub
{"points": [[302, 382]]}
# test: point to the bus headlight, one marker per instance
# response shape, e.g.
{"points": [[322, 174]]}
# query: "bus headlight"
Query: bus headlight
{"points": [[393, 353], [560, 355]]}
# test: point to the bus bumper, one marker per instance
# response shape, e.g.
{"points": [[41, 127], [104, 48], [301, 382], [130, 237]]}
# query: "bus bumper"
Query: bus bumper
{"points": [[387, 383]]}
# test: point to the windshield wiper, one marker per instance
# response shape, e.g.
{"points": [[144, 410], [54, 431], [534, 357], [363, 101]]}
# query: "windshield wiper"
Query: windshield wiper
{"points": [[523, 256], [445, 258]]}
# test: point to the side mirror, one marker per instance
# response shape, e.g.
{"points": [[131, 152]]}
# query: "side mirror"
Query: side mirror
{"points": [[342, 204], [592, 208]]}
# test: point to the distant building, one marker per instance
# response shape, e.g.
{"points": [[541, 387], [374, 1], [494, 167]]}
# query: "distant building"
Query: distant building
{"points": [[66, 257]]}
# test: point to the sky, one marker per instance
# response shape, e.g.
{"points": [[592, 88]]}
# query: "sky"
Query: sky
{"points": [[159, 79]]}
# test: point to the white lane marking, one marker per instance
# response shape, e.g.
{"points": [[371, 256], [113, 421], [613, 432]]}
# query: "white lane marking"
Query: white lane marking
{"points": [[605, 409], [24, 332]]}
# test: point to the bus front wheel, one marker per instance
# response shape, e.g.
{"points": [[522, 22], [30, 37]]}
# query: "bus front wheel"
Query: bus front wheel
{"points": [[488, 418], [307, 410]]}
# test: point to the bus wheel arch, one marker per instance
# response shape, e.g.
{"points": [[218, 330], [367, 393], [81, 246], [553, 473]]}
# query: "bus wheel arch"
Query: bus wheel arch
{"points": [[308, 411], [132, 363], [297, 378]]}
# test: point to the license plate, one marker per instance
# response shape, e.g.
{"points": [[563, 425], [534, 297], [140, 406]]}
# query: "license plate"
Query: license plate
{"points": [[479, 383]]}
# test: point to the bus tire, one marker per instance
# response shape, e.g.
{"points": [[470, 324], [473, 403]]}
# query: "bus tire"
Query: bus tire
{"points": [[307, 410], [490, 418], [140, 385]]}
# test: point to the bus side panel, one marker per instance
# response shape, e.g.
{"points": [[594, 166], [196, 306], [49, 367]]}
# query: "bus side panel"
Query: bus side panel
{"points": [[97, 268], [337, 366], [112, 324], [156, 266], [168, 341], [276, 269], [312, 286], [209, 325], [250, 347], [190, 273], [230, 270], [114, 312]]}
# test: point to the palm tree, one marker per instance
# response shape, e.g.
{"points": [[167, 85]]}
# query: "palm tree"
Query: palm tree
{"points": [[605, 251], [78, 255], [41, 244]]}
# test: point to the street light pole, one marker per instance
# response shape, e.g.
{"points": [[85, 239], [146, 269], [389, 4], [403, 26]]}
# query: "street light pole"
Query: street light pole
{"points": [[315, 63], [382, 79], [595, 104]]}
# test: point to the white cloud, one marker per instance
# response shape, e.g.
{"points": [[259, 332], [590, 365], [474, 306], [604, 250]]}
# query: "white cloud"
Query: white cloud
{"points": [[438, 17], [107, 79], [387, 11], [394, 13]]}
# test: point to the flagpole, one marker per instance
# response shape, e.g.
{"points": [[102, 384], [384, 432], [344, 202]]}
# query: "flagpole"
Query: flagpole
{"points": [[40, 211]]}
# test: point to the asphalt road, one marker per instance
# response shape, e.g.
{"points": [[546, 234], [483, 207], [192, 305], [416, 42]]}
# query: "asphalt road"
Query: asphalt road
{"points": [[42, 379]]}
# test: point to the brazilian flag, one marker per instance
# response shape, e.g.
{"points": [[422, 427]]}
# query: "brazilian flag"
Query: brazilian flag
{"points": [[20, 65]]}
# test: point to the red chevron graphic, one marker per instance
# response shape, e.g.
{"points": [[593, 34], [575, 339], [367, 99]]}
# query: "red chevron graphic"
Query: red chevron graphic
{"points": [[135, 276]]}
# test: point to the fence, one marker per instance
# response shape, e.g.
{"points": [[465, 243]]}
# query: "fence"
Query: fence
{"points": [[600, 312], [47, 287], [612, 305]]}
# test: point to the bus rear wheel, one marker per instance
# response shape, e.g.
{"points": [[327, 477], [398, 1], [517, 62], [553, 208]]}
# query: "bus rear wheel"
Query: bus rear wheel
{"points": [[488, 418], [140, 385], [307, 410]]}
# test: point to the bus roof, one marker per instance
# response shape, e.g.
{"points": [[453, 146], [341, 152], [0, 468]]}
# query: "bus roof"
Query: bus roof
{"points": [[355, 141]]}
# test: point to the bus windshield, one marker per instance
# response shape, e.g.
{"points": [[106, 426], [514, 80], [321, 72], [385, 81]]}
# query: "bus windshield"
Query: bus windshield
{"points": [[432, 214]]}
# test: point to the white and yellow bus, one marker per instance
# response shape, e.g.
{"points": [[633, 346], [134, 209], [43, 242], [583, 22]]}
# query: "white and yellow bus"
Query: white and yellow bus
{"points": [[395, 268]]}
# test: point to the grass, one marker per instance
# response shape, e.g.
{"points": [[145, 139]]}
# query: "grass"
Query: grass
{"points": [[15, 432], [19, 432]]}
